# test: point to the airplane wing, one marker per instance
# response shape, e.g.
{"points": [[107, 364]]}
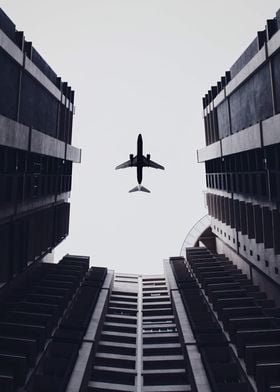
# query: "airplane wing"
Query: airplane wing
{"points": [[127, 164], [149, 163]]}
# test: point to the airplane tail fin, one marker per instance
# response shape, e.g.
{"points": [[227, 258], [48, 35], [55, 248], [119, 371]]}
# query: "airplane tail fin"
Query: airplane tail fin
{"points": [[140, 188]]}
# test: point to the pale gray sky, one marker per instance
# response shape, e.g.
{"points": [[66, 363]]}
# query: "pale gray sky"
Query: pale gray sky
{"points": [[137, 65]]}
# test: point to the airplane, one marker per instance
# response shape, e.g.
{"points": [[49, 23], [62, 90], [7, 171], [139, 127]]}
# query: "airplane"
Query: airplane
{"points": [[140, 161]]}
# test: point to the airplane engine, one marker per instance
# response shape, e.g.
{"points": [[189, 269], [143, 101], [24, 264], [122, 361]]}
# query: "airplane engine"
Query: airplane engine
{"points": [[131, 158], [148, 156]]}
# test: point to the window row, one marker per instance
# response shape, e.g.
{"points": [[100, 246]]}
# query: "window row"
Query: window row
{"points": [[16, 189], [260, 185], [17, 161], [252, 160], [253, 101], [30, 237], [251, 184], [25, 100], [260, 223], [267, 158]]}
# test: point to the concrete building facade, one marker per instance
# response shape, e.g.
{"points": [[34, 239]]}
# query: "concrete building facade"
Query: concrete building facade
{"points": [[36, 158], [241, 117], [36, 155]]}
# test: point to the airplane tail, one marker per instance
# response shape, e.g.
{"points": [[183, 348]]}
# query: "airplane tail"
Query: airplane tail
{"points": [[140, 188]]}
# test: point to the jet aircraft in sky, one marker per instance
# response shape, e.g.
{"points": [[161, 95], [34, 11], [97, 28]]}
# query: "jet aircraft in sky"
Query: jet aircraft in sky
{"points": [[139, 161]]}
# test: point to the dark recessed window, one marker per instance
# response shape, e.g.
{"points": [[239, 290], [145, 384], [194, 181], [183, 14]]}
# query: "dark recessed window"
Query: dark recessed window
{"points": [[214, 227], [266, 263], [276, 270], [251, 253], [233, 240], [229, 237], [225, 234], [244, 247], [221, 232], [258, 257], [238, 244]]}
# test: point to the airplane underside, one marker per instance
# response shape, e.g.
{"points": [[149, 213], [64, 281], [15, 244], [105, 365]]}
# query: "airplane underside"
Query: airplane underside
{"points": [[139, 161]]}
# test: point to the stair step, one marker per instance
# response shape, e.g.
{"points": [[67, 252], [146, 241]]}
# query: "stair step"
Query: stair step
{"points": [[95, 386]]}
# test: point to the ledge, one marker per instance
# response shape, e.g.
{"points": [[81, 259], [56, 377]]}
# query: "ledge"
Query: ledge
{"points": [[171, 282], [211, 151], [109, 280], [46, 145], [270, 129], [13, 134], [264, 133], [73, 154], [274, 43], [220, 98], [19, 136], [247, 139], [9, 47]]}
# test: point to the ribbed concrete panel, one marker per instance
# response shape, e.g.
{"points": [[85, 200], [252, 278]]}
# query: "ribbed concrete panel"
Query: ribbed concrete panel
{"points": [[219, 98], [9, 47], [247, 139], [46, 145], [273, 44], [73, 154], [246, 71], [13, 134], [16, 135], [270, 130], [210, 152]]}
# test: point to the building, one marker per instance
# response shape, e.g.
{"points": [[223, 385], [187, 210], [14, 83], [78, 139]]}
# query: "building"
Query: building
{"points": [[36, 155], [241, 117], [211, 322], [202, 326]]}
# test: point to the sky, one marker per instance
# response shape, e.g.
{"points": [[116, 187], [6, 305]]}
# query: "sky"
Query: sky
{"points": [[137, 66]]}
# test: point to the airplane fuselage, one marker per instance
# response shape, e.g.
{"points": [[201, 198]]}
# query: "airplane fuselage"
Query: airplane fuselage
{"points": [[139, 159]]}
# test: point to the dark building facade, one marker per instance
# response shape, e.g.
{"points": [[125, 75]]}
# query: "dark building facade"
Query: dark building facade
{"points": [[241, 116], [242, 132], [211, 322], [36, 158], [36, 155]]}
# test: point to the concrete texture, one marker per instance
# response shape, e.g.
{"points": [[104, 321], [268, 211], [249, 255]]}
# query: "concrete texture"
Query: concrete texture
{"points": [[46, 145], [13, 134]]}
